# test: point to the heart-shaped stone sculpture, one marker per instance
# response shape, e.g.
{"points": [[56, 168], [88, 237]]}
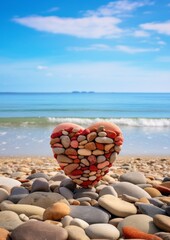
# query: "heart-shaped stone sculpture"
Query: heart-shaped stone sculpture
{"points": [[86, 155]]}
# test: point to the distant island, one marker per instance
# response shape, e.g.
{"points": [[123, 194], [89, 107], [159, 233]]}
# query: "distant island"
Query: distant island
{"points": [[83, 92]]}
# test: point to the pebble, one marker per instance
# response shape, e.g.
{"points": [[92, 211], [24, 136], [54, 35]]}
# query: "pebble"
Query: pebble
{"points": [[79, 222], [9, 220], [149, 209], [42, 199], [66, 193], [102, 231], [162, 222], [4, 234], [56, 211], [89, 214], [131, 232], [130, 189], [142, 222], [76, 233], [153, 192], [133, 177], [9, 182], [28, 210], [38, 175], [117, 206], [3, 194], [39, 231], [40, 184]]}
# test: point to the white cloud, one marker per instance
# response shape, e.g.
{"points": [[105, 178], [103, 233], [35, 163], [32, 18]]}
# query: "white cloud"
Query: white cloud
{"points": [[41, 67], [141, 33], [93, 47], [162, 28], [87, 27], [121, 48], [133, 50], [118, 7]]}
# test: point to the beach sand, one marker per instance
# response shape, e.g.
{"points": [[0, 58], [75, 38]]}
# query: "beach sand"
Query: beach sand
{"points": [[157, 166]]}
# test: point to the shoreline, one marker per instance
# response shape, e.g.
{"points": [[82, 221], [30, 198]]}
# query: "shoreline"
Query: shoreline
{"points": [[151, 165]]}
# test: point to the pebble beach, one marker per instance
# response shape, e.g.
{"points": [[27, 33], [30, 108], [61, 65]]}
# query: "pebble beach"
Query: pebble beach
{"points": [[38, 201]]}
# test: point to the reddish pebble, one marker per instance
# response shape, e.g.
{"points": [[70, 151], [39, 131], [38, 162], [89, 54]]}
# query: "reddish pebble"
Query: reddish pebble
{"points": [[164, 190], [58, 145], [93, 168], [71, 151], [111, 134], [85, 131], [56, 134], [134, 233], [107, 155], [92, 159], [76, 172], [100, 146], [76, 160], [86, 183], [74, 144], [72, 156]]}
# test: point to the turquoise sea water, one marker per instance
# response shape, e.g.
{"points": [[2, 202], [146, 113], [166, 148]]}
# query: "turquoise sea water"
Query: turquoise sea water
{"points": [[27, 119]]}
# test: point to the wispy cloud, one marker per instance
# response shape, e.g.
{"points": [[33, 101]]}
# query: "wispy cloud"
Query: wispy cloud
{"points": [[118, 8], [162, 28], [133, 50], [41, 67], [87, 27], [120, 48], [140, 33]]}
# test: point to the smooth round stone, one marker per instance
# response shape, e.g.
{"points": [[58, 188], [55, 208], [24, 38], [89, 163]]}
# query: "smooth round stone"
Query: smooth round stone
{"points": [[167, 210], [117, 206], [4, 234], [130, 189], [66, 220], [104, 140], [79, 222], [89, 214], [17, 197], [133, 177], [150, 209], [163, 235], [140, 221], [156, 202], [100, 231], [9, 182], [65, 141], [162, 222], [76, 233], [19, 190], [23, 217], [38, 175], [39, 230], [68, 183], [92, 195], [128, 198], [65, 192], [43, 199], [3, 194], [153, 192], [40, 184], [9, 220], [108, 190], [56, 211], [28, 210], [59, 177]]}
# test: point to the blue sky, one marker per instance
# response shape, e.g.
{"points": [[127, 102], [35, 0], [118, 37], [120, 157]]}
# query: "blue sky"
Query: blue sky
{"points": [[90, 45]]}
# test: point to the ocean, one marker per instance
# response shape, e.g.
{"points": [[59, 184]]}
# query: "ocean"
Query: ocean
{"points": [[27, 120]]}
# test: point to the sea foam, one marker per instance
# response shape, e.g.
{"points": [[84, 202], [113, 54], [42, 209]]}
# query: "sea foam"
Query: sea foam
{"points": [[133, 122]]}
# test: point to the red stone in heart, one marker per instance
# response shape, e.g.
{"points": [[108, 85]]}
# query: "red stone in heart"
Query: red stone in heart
{"points": [[86, 155]]}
